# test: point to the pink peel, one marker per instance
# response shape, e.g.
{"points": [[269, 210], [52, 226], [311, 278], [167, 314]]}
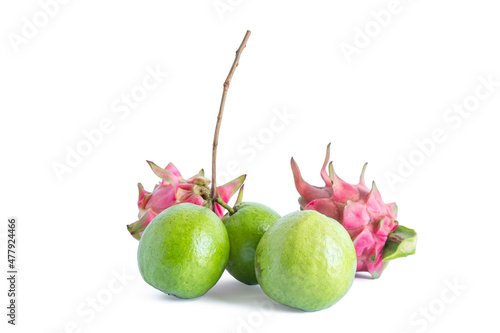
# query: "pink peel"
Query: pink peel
{"points": [[308, 192], [361, 211], [172, 190]]}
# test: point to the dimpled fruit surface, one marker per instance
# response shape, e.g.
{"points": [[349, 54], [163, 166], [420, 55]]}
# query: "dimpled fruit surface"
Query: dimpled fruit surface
{"points": [[245, 229], [306, 260], [184, 250]]}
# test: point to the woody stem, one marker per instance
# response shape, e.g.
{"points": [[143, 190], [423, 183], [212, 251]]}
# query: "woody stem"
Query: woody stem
{"points": [[213, 194]]}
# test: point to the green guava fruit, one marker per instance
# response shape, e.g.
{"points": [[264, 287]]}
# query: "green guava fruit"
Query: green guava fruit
{"points": [[306, 260], [245, 228], [184, 250]]}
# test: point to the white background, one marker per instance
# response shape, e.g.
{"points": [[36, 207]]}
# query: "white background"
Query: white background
{"points": [[65, 78]]}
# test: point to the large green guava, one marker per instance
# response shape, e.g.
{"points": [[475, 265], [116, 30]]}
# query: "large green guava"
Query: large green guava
{"points": [[184, 250], [306, 260]]}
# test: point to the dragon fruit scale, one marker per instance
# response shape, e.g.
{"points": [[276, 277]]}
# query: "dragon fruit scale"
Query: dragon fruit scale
{"points": [[172, 190], [370, 222]]}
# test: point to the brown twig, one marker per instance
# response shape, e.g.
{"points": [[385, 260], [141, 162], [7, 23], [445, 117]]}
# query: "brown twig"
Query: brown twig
{"points": [[214, 194]]}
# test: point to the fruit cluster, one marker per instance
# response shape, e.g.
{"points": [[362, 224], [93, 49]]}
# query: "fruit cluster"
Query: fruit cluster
{"points": [[306, 259]]}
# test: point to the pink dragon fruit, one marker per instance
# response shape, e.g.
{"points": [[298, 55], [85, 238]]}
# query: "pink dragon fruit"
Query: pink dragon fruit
{"points": [[370, 222], [173, 189]]}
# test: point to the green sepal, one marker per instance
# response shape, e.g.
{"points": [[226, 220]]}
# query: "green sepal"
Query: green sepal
{"points": [[240, 195], [208, 203], [393, 250]]}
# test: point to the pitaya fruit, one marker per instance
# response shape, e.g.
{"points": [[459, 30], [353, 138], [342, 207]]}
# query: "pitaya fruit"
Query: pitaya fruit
{"points": [[173, 189], [370, 222]]}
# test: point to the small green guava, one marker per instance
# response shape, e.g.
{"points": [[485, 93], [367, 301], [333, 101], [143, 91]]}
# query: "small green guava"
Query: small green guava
{"points": [[245, 228], [184, 250], [306, 260]]}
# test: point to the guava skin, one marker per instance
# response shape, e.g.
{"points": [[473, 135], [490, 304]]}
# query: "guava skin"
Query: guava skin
{"points": [[245, 229], [184, 251], [306, 260]]}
